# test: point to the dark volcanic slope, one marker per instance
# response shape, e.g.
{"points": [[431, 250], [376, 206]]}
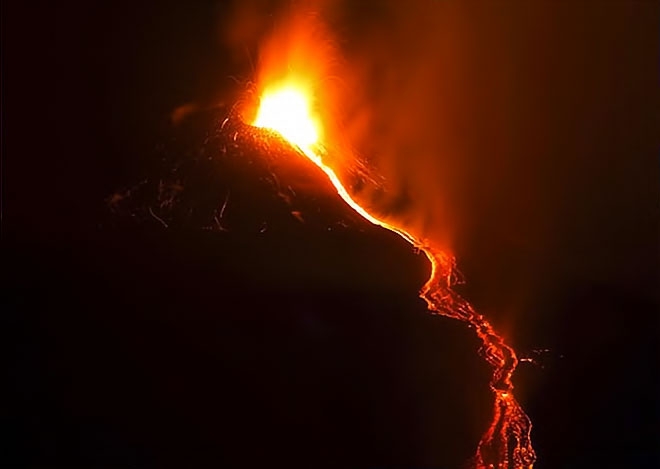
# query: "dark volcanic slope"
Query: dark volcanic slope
{"points": [[282, 329], [251, 188]]}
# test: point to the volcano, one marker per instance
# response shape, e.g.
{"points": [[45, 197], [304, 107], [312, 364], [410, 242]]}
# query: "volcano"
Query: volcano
{"points": [[234, 310]]}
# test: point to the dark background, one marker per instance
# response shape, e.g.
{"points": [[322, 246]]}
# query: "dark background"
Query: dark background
{"points": [[141, 346]]}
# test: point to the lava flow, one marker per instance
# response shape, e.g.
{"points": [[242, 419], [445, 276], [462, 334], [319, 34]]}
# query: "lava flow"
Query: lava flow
{"points": [[288, 107]]}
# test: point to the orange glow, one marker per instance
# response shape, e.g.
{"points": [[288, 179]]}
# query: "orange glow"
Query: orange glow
{"points": [[287, 110], [289, 105]]}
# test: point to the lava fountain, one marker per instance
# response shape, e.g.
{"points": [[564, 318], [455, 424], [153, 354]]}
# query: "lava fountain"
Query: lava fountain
{"points": [[288, 105]]}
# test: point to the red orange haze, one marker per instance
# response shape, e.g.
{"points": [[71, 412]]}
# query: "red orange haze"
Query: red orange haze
{"points": [[294, 100]]}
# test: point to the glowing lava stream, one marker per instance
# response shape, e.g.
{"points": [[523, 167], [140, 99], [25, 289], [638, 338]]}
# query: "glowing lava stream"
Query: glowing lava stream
{"points": [[506, 443]]}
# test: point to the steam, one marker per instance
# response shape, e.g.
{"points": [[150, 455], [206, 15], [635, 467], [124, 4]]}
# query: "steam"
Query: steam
{"points": [[397, 108]]}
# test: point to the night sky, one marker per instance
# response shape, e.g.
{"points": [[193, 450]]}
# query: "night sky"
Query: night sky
{"points": [[132, 344]]}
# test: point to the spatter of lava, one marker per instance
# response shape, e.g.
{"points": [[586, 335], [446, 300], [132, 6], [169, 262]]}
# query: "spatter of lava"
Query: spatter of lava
{"points": [[288, 110]]}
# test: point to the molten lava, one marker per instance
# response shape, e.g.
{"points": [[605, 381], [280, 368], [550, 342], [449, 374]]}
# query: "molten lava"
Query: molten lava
{"points": [[289, 108], [288, 111]]}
